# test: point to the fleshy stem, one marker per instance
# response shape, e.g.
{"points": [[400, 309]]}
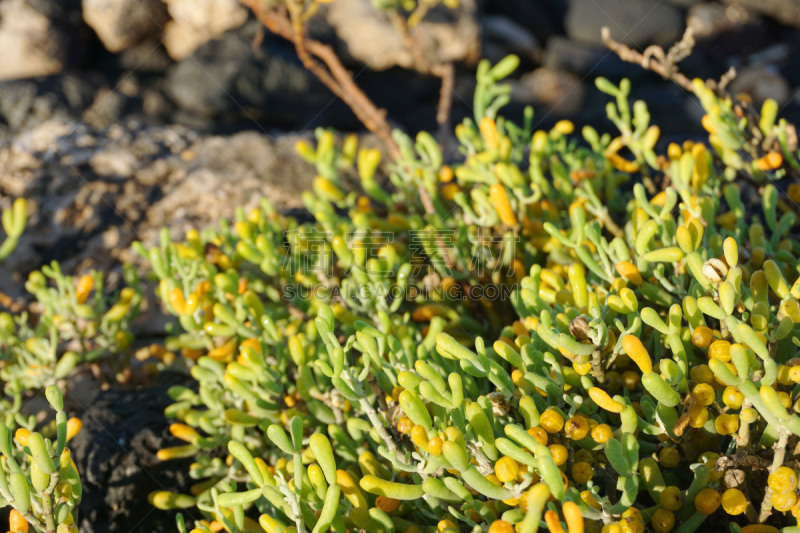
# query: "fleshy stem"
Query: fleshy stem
{"points": [[743, 438], [368, 410], [47, 502]]}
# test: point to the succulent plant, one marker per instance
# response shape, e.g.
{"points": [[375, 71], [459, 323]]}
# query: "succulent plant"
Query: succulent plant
{"points": [[344, 375]]}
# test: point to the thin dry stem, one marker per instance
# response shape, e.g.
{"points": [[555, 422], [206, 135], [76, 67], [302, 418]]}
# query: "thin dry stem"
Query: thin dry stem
{"points": [[777, 461], [323, 62], [655, 59]]}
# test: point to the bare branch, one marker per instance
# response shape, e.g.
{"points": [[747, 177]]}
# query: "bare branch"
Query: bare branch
{"points": [[654, 58], [323, 62]]}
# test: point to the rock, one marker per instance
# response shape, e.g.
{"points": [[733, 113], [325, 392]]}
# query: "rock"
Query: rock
{"points": [[709, 20], [561, 92], [761, 81], [226, 81], [587, 60], [121, 24], [633, 22], [542, 18], [502, 36], [785, 11], [444, 35], [195, 22], [29, 102], [93, 191], [36, 38], [115, 453]]}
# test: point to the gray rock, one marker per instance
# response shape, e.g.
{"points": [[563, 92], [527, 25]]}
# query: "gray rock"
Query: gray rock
{"points": [[370, 37], [708, 20], [586, 59], [633, 22], [559, 91], [29, 102], [785, 11], [36, 38], [227, 80], [116, 453], [93, 191], [542, 18], [121, 24], [502, 36], [761, 81], [195, 22]]}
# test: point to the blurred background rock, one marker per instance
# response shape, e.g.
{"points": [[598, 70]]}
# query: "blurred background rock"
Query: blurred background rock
{"points": [[207, 64]]}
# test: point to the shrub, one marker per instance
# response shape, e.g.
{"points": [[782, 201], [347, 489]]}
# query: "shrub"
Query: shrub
{"points": [[69, 322], [345, 381]]}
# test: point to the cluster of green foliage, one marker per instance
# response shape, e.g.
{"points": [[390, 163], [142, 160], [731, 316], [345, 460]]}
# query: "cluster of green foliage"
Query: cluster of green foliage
{"points": [[69, 322], [642, 312], [649, 340]]}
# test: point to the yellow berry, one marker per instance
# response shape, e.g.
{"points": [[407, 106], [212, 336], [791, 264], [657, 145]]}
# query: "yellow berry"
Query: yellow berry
{"points": [[669, 457], [613, 380], [707, 501], [670, 498], [726, 424], [386, 504], [703, 394], [732, 397], [506, 469], [631, 521], [501, 526], [702, 336], [435, 446], [701, 374], [577, 427], [698, 416], [783, 479], [559, 453], [445, 524], [783, 501], [720, 350], [734, 502], [630, 380], [748, 416], [405, 425], [601, 433], [663, 520], [551, 421], [539, 434], [582, 472]]}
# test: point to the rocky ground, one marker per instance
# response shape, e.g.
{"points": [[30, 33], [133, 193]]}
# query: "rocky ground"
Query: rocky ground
{"points": [[119, 117]]}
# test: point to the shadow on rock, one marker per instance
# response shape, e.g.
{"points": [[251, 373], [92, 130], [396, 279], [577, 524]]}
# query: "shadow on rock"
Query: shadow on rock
{"points": [[116, 455]]}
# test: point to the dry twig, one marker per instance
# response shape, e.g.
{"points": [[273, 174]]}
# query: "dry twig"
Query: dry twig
{"points": [[323, 62], [655, 59]]}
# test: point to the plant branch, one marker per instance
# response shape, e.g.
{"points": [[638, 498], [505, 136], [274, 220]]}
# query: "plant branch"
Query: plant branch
{"points": [[777, 461], [655, 59], [444, 71], [323, 62]]}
